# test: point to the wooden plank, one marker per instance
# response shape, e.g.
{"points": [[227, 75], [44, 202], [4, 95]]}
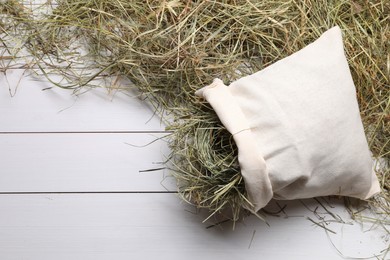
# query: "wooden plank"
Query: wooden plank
{"points": [[158, 226], [24, 106], [82, 162]]}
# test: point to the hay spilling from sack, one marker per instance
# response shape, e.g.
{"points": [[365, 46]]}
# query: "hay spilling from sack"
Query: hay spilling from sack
{"points": [[169, 49]]}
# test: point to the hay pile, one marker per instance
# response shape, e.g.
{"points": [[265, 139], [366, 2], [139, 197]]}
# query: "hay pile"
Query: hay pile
{"points": [[169, 49]]}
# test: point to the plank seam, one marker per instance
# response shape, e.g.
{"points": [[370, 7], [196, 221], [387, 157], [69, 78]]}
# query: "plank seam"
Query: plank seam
{"points": [[85, 192], [87, 132]]}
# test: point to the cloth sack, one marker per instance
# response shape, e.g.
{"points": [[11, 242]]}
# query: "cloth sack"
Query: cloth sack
{"points": [[297, 126]]}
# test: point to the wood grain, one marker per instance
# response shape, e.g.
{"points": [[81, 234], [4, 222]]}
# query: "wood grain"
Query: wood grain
{"points": [[26, 106], [83, 162], [153, 226]]}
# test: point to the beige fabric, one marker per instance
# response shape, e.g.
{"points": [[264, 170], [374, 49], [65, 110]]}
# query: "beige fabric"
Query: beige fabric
{"points": [[297, 126]]}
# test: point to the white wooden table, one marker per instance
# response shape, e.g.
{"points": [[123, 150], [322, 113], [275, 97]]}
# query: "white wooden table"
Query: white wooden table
{"points": [[73, 185], [73, 188]]}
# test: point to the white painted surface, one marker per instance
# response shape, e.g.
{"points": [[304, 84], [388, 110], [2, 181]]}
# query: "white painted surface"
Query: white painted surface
{"points": [[87, 153], [157, 226], [25, 106], [82, 162]]}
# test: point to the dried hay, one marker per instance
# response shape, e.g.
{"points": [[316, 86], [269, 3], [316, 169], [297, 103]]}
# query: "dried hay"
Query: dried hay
{"points": [[169, 49]]}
